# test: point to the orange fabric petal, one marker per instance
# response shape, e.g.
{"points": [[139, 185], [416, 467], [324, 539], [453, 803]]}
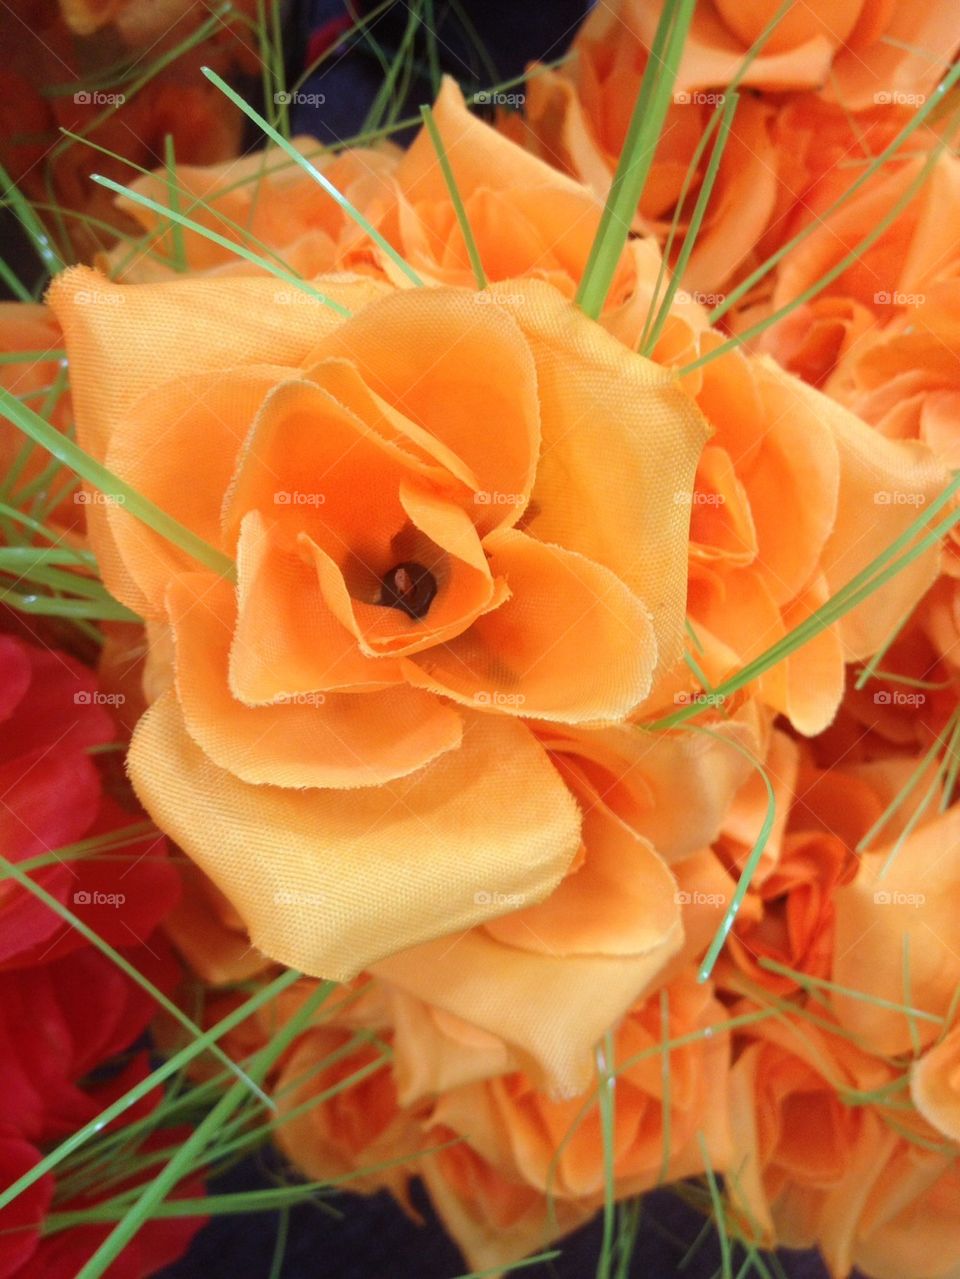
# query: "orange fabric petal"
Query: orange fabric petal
{"points": [[620, 448], [287, 641], [329, 882], [572, 643], [332, 739], [204, 417], [457, 366], [621, 901], [553, 1008]]}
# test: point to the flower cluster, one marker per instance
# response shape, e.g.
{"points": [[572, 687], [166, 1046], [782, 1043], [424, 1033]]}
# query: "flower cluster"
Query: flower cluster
{"points": [[581, 694]]}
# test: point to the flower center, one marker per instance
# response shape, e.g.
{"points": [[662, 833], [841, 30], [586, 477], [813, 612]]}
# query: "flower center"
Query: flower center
{"points": [[410, 588]]}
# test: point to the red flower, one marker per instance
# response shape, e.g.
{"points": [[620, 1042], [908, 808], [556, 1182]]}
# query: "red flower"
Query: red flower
{"points": [[51, 795]]}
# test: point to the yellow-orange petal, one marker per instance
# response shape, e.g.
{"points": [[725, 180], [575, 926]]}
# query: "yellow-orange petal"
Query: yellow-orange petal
{"points": [[456, 364], [552, 1008], [622, 900], [205, 418], [935, 1085], [329, 882], [571, 644], [287, 641], [620, 448], [317, 739]]}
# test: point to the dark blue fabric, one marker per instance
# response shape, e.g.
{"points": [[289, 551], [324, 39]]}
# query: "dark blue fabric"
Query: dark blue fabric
{"points": [[375, 1240]]}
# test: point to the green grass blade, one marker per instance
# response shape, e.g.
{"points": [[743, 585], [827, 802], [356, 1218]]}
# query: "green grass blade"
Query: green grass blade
{"points": [[455, 198], [636, 158], [314, 173], [95, 473], [167, 1180]]}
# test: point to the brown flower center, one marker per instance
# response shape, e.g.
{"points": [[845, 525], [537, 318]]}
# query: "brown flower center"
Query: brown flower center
{"points": [[410, 588]]}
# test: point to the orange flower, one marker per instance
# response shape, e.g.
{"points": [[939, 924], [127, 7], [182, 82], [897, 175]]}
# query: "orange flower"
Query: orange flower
{"points": [[890, 277], [495, 1199], [548, 979], [526, 218], [359, 1126], [485, 1147], [788, 916], [577, 119], [896, 932], [264, 201], [794, 496], [935, 1084], [821, 1164], [854, 51], [411, 582]]}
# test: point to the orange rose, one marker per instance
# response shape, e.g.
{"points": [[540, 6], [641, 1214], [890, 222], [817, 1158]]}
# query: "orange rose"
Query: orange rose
{"points": [[935, 1084], [827, 1156], [788, 916], [896, 931], [549, 979], [337, 1113], [577, 119], [794, 496], [410, 584], [514, 1133], [855, 51], [892, 276], [264, 201], [526, 218], [495, 1182]]}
